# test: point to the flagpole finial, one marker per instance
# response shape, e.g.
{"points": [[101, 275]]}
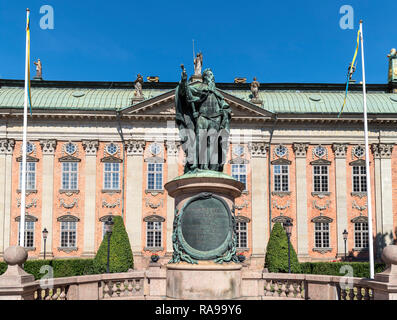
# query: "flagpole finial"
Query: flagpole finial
{"points": [[27, 9], [361, 21]]}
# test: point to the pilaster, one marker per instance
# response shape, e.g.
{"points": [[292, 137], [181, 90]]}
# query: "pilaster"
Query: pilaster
{"points": [[341, 194], [48, 148], [6, 149], [260, 208], [133, 216], [383, 195], [300, 150], [91, 148], [172, 169]]}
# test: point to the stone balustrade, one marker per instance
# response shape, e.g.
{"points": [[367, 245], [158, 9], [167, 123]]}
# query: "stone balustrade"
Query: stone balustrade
{"points": [[151, 284]]}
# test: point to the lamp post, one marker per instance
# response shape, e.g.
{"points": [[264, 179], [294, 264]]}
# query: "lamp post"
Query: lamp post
{"points": [[288, 230], [45, 235], [345, 234], [109, 229]]}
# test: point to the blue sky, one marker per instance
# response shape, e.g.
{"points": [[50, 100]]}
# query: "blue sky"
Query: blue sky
{"points": [[276, 41]]}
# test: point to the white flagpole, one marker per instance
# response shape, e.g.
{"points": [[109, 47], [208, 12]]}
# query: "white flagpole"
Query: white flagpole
{"points": [[25, 123], [368, 176]]}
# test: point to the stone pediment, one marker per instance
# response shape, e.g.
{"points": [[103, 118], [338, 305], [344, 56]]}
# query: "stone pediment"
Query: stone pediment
{"points": [[163, 106]]}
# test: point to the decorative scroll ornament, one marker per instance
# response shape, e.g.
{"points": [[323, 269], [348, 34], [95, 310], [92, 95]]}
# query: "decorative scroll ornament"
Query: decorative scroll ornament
{"points": [[243, 205], [280, 207], [356, 206], [6, 146], [172, 147], [382, 150], [90, 146], [321, 208], [135, 147], [71, 205], [115, 204], [257, 149], [339, 150], [33, 203], [153, 205], [48, 146]]}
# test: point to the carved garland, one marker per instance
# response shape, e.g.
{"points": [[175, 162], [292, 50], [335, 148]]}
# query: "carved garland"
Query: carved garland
{"points": [[71, 205], [356, 206], [280, 207], [153, 205], [321, 208], [33, 203], [105, 204]]}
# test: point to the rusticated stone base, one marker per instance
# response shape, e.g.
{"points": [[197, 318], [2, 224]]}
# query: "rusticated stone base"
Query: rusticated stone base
{"points": [[205, 281]]}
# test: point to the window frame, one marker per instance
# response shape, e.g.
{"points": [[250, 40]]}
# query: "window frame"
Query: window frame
{"points": [[153, 231], [321, 175], [69, 172], [281, 174], [68, 231], [155, 173], [361, 176], [26, 230], [239, 174], [111, 172], [28, 163], [363, 233], [322, 232], [240, 231]]}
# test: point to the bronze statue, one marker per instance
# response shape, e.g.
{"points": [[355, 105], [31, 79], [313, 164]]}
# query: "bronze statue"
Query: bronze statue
{"points": [[203, 118]]}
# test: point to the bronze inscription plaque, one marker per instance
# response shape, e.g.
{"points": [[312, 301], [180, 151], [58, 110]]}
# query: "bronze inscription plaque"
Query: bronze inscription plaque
{"points": [[205, 224]]}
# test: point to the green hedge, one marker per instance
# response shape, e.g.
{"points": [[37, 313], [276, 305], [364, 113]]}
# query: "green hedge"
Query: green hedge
{"points": [[276, 259], [61, 267], [121, 259], [360, 269]]}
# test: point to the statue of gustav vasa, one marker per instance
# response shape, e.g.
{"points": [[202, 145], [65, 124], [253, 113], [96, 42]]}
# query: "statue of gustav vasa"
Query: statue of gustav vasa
{"points": [[203, 118]]}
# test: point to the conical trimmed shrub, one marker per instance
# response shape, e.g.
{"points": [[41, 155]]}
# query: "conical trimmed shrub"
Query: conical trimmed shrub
{"points": [[276, 259], [121, 258]]}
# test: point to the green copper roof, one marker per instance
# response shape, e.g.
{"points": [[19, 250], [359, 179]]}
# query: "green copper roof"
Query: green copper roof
{"points": [[81, 99], [322, 102], [276, 101]]}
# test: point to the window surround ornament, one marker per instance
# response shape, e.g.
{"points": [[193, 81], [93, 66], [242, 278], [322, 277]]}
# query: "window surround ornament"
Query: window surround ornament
{"points": [[112, 148], [106, 217], [359, 219], [322, 219], [28, 217], [113, 205], [71, 205], [33, 203], [358, 152], [280, 151], [282, 219], [69, 148], [320, 152]]}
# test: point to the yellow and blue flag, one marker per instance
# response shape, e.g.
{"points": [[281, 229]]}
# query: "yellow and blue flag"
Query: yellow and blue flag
{"points": [[350, 72]]}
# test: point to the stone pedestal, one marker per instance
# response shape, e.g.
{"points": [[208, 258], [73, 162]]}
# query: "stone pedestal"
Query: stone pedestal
{"points": [[15, 283], [204, 263], [207, 280]]}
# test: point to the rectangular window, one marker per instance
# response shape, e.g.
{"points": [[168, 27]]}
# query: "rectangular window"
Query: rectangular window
{"points": [[30, 175], [155, 176], [361, 235], [320, 178], [29, 234], [111, 176], [239, 172], [69, 175], [359, 179], [68, 234], [280, 178], [321, 235], [153, 234], [241, 232]]}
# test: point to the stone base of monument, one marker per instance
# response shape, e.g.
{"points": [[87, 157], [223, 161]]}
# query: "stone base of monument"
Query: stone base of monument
{"points": [[205, 281], [204, 264]]}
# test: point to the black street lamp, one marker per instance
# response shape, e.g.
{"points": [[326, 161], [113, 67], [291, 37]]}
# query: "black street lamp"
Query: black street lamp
{"points": [[109, 229], [45, 235], [288, 230], [345, 234]]}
